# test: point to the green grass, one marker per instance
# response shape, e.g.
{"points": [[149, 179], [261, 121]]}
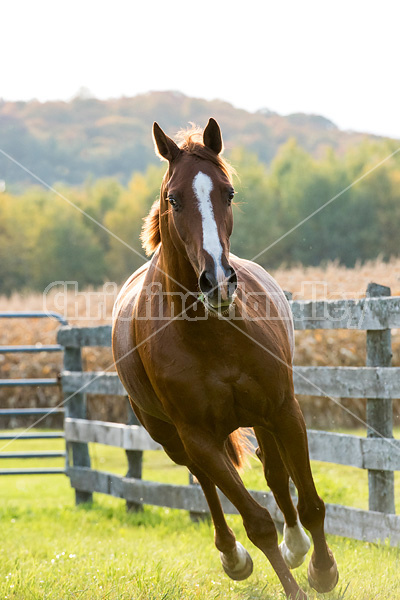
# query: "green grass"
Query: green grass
{"points": [[52, 549]]}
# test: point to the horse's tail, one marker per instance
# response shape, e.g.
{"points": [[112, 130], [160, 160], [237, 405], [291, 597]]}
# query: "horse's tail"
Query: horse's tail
{"points": [[238, 446]]}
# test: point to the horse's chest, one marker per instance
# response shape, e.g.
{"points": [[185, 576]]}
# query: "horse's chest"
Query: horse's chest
{"points": [[204, 377], [215, 376]]}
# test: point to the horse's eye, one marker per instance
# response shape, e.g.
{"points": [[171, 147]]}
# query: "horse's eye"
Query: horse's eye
{"points": [[172, 201], [231, 195]]}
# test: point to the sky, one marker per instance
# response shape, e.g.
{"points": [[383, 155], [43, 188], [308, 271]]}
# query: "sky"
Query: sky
{"points": [[338, 59]]}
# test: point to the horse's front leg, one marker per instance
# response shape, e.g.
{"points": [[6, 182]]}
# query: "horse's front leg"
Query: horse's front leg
{"points": [[235, 559]]}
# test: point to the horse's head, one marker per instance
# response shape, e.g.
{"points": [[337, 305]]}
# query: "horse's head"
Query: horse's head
{"points": [[196, 198]]}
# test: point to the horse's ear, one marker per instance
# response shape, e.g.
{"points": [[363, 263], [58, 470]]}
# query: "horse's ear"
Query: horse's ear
{"points": [[165, 147], [212, 137]]}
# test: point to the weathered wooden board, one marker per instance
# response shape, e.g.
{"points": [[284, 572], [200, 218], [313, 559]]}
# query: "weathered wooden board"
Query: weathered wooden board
{"points": [[366, 313], [186, 497], [76, 337], [339, 382], [364, 453], [129, 437], [364, 525], [340, 520], [338, 448], [92, 382], [348, 382]]}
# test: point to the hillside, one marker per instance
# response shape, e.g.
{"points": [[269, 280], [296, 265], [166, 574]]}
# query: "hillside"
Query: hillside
{"points": [[86, 138]]}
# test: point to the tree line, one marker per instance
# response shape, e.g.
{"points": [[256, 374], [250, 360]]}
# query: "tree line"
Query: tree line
{"points": [[354, 201]]}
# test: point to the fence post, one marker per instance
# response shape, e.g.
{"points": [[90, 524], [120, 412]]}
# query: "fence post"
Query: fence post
{"points": [[380, 411], [135, 462], [75, 407]]}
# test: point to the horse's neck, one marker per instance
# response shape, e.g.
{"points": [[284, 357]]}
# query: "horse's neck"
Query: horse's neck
{"points": [[175, 271]]}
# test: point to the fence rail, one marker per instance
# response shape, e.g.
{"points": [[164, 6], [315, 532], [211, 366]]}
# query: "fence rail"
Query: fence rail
{"points": [[339, 382], [33, 436], [23, 412], [375, 314], [30, 349], [338, 448], [378, 382], [340, 520]]}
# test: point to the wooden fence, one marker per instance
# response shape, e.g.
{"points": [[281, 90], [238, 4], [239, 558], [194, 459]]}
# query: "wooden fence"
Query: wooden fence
{"points": [[378, 382]]}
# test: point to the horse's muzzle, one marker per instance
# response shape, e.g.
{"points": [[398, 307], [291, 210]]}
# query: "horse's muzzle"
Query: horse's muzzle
{"points": [[218, 291]]}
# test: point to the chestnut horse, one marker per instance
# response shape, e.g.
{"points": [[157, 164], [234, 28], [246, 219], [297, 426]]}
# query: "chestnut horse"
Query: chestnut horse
{"points": [[203, 344]]}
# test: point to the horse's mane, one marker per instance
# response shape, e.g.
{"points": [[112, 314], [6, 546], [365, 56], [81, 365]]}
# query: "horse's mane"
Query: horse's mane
{"points": [[191, 141]]}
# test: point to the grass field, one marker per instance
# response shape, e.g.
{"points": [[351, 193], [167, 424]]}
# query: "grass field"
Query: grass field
{"points": [[52, 549]]}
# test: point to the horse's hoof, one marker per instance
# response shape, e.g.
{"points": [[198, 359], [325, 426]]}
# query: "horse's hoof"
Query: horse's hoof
{"points": [[292, 560], [294, 546], [237, 565], [323, 581]]}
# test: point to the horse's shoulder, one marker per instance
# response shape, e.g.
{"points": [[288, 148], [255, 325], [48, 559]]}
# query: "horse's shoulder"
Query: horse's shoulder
{"points": [[130, 290], [252, 273], [254, 277]]}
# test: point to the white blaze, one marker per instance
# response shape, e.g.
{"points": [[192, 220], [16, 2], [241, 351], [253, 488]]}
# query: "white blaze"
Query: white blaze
{"points": [[202, 187]]}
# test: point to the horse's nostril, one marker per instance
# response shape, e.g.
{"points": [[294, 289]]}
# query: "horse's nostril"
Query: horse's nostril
{"points": [[207, 282]]}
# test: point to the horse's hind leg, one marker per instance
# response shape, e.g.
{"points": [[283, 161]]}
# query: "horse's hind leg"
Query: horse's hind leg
{"points": [[296, 543], [291, 438], [208, 454]]}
